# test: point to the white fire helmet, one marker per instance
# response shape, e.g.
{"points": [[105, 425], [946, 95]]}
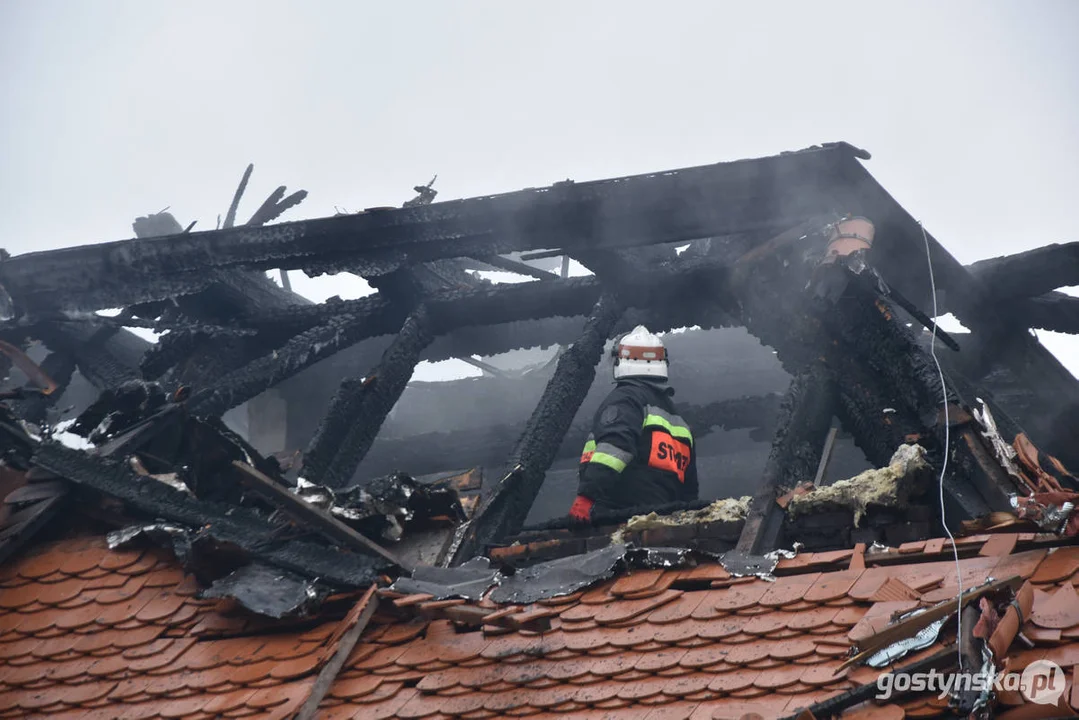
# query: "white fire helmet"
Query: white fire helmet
{"points": [[639, 353]]}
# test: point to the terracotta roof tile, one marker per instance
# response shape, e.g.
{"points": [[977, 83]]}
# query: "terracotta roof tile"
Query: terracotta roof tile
{"points": [[677, 611], [1059, 610], [894, 589], [636, 581], [764, 624], [788, 590], [832, 586], [1058, 565], [80, 561], [737, 597], [629, 609]]}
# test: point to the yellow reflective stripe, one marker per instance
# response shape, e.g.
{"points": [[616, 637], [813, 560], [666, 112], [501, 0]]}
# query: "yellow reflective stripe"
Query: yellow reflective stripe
{"points": [[589, 448], [678, 431], [615, 452], [608, 460]]}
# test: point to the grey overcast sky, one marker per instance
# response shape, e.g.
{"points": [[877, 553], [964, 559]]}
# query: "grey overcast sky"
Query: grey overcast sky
{"points": [[114, 109]]}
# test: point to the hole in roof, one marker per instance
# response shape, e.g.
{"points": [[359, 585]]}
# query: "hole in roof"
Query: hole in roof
{"points": [[949, 323]]}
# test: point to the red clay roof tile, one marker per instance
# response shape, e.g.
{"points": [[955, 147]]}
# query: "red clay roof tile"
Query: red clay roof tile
{"points": [[1057, 611], [739, 597], [764, 623], [832, 586], [636, 581], [788, 590], [1060, 564], [73, 563], [629, 609]]}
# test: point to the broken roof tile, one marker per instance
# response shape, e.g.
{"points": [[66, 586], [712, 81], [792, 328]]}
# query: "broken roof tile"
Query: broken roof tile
{"points": [[1060, 564], [1058, 610]]}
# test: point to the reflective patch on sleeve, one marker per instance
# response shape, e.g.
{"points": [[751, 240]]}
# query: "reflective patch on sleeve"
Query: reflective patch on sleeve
{"points": [[669, 454], [611, 456]]}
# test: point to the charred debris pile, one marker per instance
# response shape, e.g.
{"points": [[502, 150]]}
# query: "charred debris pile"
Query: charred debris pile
{"points": [[804, 250]]}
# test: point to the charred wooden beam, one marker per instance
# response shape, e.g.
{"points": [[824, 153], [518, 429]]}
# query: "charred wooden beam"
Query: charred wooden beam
{"points": [[690, 292], [408, 286], [642, 210], [1031, 273], [343, 642], [34, 408], [107, 356], [805, 417], [888, 385], [361, 405], [1003, 338], [1054, 311], [224, 523], [230, 216], [447, 311], [301, 352], [505, 511]]}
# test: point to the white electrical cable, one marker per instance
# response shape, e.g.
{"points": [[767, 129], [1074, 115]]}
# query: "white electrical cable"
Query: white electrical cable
{"points": [[947, 448]]}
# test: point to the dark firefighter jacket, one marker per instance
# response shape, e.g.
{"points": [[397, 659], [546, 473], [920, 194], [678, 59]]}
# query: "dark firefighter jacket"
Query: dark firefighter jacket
{"points": [[640, 453]]}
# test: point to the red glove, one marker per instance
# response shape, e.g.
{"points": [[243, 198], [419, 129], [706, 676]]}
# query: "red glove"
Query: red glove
{"points": [[581, 510]]}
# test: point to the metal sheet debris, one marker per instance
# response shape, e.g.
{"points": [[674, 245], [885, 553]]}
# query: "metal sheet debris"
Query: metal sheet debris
{"points": [[470, 580], [269, 591], [384, 506], [919, 641], [175, 537], [740, 564], [567, 575], [1003, 451], [563, 576]]}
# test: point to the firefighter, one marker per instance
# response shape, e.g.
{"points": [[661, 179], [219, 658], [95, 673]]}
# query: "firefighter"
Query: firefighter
{"points": [[640, 453]]}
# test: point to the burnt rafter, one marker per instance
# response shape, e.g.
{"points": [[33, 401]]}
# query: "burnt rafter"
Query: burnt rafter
{"points": [[679, 286], [1053, 311], [227, 524], [504, 512], [641, 210], [107, 356], [361, 405], [302, 351], [1031, 273], [447, 310], [900, 253], [888, 385]]}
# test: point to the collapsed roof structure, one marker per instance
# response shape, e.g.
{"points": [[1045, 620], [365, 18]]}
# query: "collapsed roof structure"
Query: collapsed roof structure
{"points": [[331, 583]]}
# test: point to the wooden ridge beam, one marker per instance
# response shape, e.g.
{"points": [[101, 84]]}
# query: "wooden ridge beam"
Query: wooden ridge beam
{"points": [[665, 207]]}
